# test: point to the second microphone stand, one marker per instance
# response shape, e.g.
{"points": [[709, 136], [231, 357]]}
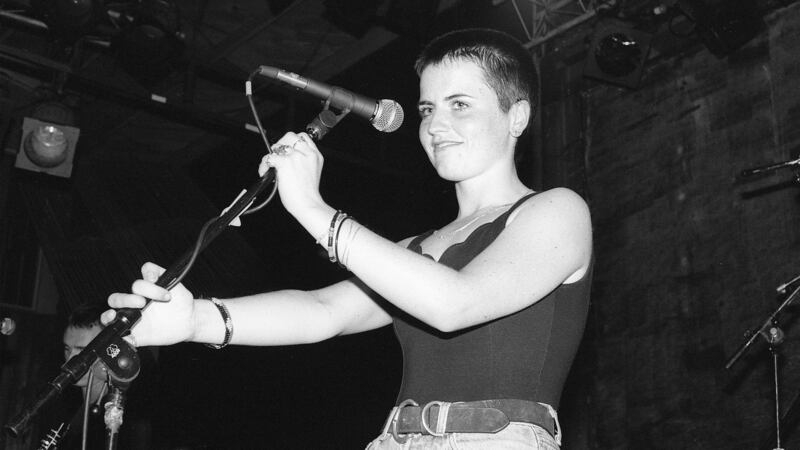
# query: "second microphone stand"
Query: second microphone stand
{"points": [[774, 336]]}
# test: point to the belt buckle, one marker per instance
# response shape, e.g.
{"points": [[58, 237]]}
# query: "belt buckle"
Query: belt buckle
{"points": [[424, 417], [395, 435]]}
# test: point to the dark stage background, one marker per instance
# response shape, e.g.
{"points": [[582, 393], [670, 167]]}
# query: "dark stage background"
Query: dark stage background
{"points": [[688, 255]]}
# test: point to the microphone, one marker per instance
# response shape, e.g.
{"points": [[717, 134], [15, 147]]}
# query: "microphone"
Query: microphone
{"points": [[384, 115], [7, 326]]}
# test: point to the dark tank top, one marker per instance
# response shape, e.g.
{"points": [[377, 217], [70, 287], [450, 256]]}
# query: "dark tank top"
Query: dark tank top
{"points": [[525, 355]]}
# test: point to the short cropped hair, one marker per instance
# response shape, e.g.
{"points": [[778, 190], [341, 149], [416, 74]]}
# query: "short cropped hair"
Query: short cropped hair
{"points": [[508, 67], [85, 316]]}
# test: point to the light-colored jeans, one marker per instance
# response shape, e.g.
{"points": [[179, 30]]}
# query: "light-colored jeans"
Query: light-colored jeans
{"points": [[516, 436]]}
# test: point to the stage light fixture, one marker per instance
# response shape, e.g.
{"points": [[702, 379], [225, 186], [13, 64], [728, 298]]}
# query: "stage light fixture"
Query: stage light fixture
{"points": [[48, 146], [146, 49], [617, 54], [724, 27]]}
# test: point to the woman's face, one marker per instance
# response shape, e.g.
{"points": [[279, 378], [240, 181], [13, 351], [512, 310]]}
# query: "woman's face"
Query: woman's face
{"points": [[463, 130]]}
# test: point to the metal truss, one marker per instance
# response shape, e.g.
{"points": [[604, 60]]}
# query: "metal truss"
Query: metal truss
{"points": [[541, 20]]}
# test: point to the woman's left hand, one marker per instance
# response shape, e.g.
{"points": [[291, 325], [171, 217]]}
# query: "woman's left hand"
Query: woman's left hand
{"points": [[298, 165]]}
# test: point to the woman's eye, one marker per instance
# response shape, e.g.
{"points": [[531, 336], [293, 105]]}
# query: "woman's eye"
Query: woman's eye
{"points": [[459, 105], [425, 111]]}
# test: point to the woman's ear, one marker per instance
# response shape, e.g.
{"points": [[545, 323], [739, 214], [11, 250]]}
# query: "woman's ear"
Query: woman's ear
{"points": [[520, 114]]}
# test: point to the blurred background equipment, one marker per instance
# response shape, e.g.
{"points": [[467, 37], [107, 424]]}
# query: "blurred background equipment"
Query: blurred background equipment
{"points": [[49, 139]]}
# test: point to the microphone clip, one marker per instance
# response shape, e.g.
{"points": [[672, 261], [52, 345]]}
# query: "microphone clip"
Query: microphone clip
{"points": [[324, 121], [122, 361]]}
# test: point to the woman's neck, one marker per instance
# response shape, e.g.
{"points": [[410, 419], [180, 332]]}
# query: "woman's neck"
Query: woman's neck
{"points": [[474, 199]]}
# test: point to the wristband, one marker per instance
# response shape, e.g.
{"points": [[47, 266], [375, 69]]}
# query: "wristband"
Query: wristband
{"points": [[226, 317]]}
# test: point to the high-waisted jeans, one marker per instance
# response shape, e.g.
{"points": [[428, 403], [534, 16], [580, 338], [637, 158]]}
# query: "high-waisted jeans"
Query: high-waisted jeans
{"points": [[515, 436]]}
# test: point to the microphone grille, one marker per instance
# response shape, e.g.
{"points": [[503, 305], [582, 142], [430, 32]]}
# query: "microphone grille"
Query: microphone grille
{"points": [[388, 116]]}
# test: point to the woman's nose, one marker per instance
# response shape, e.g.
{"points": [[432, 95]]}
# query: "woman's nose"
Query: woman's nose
{"points": [[437, 121]]}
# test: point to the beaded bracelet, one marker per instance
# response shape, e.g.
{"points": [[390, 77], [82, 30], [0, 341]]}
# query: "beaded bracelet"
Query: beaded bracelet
{"points": [[226, 317]]}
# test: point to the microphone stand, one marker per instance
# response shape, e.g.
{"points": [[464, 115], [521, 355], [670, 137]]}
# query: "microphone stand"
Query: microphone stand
{"points": [[770, 168], [774, 336], [109, 346], [120, 357]]}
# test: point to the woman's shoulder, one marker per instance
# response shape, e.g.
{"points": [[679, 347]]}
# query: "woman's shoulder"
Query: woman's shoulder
{"points": [[557, 213], [561, 193], [558, 200], [558, 218]]}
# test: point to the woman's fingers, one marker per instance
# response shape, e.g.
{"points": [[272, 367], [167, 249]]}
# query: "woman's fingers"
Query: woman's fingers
{"points": [[303, 144], [297, 143], [264, 165], [150, 290], [125, 300], [151, 271], [108, 316], [146, 286]]}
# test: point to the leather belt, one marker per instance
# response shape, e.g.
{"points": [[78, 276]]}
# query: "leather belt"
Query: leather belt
{"points": [[484, 416]]}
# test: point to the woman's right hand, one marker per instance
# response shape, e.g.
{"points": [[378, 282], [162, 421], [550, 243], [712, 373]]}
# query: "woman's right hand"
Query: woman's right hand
{"points": [[168, 319], [298, 163]]}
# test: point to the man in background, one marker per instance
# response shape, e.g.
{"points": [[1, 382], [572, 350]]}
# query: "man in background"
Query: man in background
{"points": [[63, 428]]}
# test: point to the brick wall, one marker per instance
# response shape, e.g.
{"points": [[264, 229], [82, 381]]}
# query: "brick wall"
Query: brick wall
{"points": [[687, 257]]}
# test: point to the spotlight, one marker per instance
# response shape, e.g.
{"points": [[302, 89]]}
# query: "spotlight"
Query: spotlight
{"points": [[47, 146], [617, 54], [725, 27], [146, 49]]}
